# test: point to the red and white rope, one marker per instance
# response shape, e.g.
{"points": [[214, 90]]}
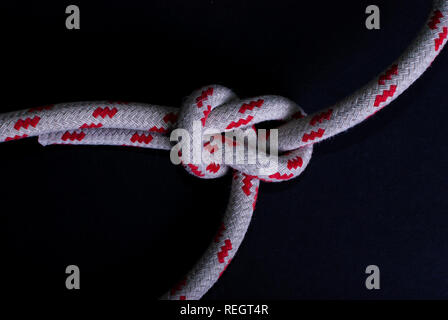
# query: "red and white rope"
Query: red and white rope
{"points": [[148, 126]]}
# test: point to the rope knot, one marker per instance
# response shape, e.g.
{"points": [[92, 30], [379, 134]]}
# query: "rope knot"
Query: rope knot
{"points": [[219, 132]]}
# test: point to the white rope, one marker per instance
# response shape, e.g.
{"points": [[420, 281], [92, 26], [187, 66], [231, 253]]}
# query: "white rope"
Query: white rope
{"points": [[148, 126]]}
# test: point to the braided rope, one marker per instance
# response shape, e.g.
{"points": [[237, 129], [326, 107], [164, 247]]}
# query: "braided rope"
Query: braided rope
{"points": [[148, 126]]}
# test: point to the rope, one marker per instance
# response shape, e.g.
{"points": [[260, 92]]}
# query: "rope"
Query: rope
{"points": [[149, 126]]}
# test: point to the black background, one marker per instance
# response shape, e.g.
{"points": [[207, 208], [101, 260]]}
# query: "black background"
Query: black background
{"points": [[134, 223]]}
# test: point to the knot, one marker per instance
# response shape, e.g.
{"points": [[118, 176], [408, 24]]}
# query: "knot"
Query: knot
{"points": [[216, 122]]}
